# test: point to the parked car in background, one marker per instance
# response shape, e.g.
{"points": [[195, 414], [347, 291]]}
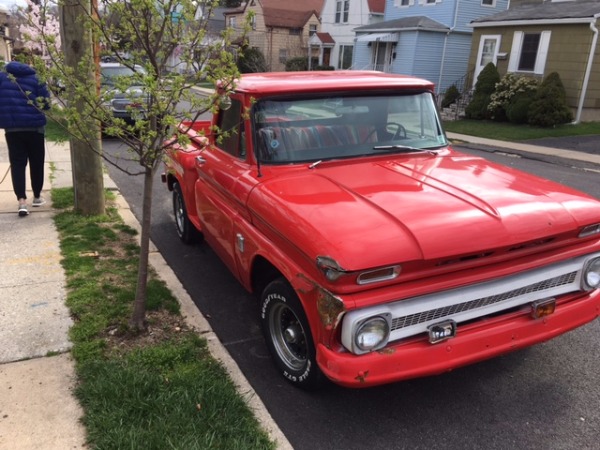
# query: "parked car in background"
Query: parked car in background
{"points": [[123, 90], [378, 252]]}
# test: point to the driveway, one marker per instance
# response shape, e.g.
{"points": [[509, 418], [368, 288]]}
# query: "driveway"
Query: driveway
{"points": [[586, 144]]}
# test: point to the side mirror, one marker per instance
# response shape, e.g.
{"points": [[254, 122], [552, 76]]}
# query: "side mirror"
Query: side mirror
{"points": [[224, 103]]}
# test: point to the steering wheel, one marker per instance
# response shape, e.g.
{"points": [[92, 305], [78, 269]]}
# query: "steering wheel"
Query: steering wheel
{"points": [[400, 132]]}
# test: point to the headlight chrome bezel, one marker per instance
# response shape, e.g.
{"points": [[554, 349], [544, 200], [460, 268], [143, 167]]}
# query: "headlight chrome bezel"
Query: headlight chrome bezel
{"points": [[378, 326], [590, 277]]}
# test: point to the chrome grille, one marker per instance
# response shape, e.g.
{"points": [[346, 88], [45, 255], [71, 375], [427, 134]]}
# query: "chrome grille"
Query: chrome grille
{"points": [[440, 313], [413, 316]]}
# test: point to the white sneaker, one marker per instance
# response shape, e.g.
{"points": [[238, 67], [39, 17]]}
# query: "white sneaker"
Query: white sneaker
{"points": [[23, 210], [38, 201]]}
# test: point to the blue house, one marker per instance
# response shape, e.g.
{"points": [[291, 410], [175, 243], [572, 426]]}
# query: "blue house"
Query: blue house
{"points": [[429, 39]]}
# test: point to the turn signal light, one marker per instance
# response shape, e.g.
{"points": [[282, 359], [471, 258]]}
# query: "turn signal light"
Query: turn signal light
{"points": [[543, 308]]}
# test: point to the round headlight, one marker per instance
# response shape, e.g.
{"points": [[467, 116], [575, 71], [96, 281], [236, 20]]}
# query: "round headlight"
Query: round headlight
{"points": [[372, 334], [591, 274]]}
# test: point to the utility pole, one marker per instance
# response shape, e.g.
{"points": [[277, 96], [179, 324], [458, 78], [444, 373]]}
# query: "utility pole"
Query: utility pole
{"points": [[86, 159]]}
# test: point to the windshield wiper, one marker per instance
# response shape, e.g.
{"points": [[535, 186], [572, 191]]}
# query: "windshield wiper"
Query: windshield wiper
{"points": [[404, 147]]}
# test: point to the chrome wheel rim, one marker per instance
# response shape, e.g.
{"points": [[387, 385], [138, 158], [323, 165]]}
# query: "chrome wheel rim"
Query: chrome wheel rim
{"points": [[289, 339], [179, 213]]}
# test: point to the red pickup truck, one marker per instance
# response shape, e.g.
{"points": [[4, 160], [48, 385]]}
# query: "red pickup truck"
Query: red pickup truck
{"points": [[379, 253]]}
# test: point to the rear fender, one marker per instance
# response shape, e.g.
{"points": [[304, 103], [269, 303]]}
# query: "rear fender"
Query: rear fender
{"points": [[180, 167]]}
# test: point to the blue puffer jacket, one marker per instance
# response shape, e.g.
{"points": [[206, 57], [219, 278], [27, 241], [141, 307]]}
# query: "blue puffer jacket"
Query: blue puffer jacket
{"points": [[19, 97]]}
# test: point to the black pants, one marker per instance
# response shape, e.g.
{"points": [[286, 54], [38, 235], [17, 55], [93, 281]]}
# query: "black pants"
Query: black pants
{"points": [[23, 147]]}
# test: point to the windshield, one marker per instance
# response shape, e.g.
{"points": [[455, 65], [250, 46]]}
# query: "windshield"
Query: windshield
{"points": [[110, 74], [313, 129]]}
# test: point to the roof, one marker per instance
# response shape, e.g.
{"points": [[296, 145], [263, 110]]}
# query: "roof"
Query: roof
{"points": [[289, 13], [273, 83], [376, 6], [285, 13], [284, 18], [325, 38], [549, 11], [294, 5], [416, 22]]}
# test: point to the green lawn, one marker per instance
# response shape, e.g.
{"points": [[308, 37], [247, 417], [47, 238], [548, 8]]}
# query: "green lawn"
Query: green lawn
{"points": [[159, 389], [509, 132]]}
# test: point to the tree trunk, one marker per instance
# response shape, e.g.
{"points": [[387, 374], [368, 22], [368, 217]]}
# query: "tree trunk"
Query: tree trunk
{"points": [[138, 318], [86, 159]]}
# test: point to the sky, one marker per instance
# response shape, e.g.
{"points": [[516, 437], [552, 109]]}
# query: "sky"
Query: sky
{"points": [[10, 3]]}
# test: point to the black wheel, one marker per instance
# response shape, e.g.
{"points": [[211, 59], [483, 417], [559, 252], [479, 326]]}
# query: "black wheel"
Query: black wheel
{"points": [[288, 337], [185, 229]]}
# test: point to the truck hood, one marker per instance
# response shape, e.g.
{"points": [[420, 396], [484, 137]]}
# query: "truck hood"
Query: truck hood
{"points": [[376, 213]]}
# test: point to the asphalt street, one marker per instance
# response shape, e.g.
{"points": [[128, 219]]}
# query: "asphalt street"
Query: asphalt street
{"points": [[545, 397]]}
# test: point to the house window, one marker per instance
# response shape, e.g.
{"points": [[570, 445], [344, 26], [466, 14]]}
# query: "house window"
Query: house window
{"points": [[488, 3], [342, 9], [283, 55], [312, 30], [253, 22], [232, 21], [529, 52], [345, 60], [403, 3], [295, 31]]}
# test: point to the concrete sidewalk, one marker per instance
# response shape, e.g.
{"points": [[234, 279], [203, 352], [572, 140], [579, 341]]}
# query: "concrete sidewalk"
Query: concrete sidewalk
{"points": [[37, 406]]}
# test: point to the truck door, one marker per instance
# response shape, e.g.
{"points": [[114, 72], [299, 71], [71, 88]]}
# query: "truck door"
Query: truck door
{"points": [[220, 197]]}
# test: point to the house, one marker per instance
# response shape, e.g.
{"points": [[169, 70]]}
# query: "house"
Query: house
{"points": [[212, 20], [5, 39], [430, 39], [339, 18], [280, 29], [540, 37]]}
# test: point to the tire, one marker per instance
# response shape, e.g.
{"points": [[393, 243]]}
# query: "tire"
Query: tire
{"points": [[185, 229], [288, 336]]}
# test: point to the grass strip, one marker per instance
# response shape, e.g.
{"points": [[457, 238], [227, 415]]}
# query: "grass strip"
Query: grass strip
{"points": [[160, 389]]}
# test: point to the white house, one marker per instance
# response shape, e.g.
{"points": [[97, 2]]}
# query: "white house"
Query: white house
{"points": [[339, 18]]}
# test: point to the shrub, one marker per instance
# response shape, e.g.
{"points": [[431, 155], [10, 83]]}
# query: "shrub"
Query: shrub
{"points": [[251, 60], [450, 96], [549, 107], [518, 109], [324, 68], [299, 63], [485, 86], [507, 91]]}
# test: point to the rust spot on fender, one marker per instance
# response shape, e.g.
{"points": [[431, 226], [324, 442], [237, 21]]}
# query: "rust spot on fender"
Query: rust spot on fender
{"points": [[362, 376], [387, 351], [329, 306]]}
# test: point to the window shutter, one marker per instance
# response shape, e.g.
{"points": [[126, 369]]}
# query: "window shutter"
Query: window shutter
{"points": [[515, 51], [540, 62]]}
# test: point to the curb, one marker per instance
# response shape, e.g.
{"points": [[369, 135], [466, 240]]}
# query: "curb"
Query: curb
{"points": [[197, 321]]}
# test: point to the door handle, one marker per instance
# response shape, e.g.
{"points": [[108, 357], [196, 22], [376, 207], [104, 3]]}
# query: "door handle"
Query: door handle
{"points": [[200, 160]]}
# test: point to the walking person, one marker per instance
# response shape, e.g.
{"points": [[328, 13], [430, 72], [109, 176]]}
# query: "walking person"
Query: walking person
{"points": [[22, 96]]}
